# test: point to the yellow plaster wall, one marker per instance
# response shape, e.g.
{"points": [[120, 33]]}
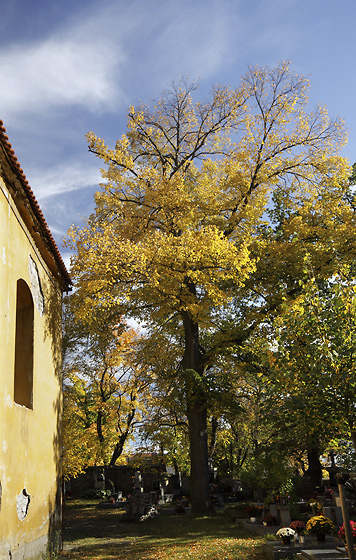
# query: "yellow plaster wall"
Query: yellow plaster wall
{"points": [[29, 438]]}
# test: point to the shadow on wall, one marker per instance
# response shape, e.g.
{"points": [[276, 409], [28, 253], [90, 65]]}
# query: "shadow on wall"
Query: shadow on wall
{"points": [[53, 325], [53, 331], [55, 502]]}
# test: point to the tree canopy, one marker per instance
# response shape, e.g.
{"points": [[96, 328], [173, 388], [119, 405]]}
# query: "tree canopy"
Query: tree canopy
{"points": [[105, 395], [180, 238]]}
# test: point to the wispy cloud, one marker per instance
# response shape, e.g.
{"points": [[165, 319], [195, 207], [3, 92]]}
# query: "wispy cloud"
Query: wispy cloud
{"points": [[192, 40], [65, 194], [64, 178], [94, 63], [56, 72], [86, 63]]}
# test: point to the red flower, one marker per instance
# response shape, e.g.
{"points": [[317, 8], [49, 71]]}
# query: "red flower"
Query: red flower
{"points": [[342, 534], [298, 526]]}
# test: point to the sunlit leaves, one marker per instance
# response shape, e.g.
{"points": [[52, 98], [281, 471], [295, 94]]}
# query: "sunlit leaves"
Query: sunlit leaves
{"points": [[104, 394], [180, 238], [185, 190], [316, 349]]}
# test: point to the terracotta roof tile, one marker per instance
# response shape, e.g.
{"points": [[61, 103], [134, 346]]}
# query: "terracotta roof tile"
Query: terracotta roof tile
{"points": [[34, 205]]}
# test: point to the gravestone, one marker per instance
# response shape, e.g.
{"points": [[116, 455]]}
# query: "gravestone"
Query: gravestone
{"points": [[138, 487], [273, 510], [159, 491], [140, 502], [99, 479], [285, 515], [334, 513]]}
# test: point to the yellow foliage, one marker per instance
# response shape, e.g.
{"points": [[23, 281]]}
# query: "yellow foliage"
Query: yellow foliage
{"points": [[180, 230], [186, 188], [104, 393]]}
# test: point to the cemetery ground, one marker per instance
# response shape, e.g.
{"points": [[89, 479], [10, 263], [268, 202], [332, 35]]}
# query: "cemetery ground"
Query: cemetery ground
{"points": [[92, 533]]}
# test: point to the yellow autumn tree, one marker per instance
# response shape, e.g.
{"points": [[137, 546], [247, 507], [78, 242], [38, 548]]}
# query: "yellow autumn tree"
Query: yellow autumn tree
{"points": [[176, 229], [105, 395]]}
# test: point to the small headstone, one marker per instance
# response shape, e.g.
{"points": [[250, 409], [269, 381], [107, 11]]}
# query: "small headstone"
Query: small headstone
{"points": [[334, 513], [285, 516], [99, 480], [138, 482]]}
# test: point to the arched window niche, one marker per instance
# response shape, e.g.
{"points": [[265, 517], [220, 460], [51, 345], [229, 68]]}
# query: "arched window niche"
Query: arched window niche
{"points": [[23, 380]]}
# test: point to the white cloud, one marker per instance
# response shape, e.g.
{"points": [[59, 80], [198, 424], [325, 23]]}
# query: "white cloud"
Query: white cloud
{"points": [[56, 72], [86, 63], [65, 194], [77, 65], [64, 178]]}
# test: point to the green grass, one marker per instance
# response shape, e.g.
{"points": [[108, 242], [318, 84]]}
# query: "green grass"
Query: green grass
{"points": [[91, 533]]}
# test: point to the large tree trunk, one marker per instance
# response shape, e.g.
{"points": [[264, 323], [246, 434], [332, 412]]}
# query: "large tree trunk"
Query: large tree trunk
{"points": [[119, 447], [199, 471], [314, 471], [193, 366]]}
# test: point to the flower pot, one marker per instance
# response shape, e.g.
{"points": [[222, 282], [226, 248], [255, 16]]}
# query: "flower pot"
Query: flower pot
{"points": [[301, 539], [286, 539], [320, 537]]}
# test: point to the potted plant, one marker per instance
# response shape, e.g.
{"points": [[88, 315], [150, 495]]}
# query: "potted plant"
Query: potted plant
{"points": [[320, 526], [299, 527], [342, 534], [285, 533], [253, 510], [315, 507]]}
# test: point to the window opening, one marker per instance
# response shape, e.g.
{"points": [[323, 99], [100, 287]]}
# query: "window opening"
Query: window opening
{"points": [[23, 382]]}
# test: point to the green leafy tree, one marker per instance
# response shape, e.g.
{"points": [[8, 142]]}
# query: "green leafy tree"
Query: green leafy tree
{"points": [[315, 361]]}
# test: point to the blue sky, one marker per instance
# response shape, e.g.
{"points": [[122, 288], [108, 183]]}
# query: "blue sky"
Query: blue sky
{"points": [[71, 66]]}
